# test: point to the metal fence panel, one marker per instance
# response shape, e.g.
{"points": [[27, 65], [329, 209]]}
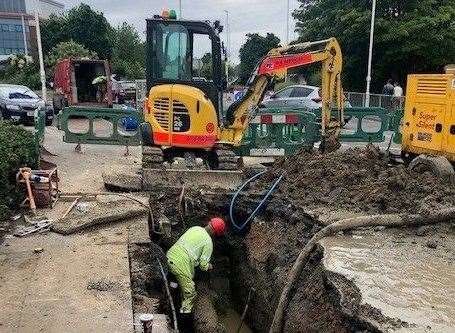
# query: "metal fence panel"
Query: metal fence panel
{"points": [[376, 100]]}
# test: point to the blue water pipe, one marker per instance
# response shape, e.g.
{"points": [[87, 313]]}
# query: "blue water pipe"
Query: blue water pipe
{"points": [[253, 214]]}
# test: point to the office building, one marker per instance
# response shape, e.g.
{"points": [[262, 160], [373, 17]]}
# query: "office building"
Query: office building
{"points": [[17, 25]]}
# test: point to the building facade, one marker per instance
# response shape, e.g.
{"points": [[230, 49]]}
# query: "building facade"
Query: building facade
{"points": [[17, 25]]}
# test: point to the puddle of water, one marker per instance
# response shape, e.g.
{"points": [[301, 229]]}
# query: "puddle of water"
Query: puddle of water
{"points": [[404, 280], [231, 321]]}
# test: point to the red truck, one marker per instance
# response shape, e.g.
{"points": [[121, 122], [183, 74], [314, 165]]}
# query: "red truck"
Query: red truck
{"points": [[73, 83]]}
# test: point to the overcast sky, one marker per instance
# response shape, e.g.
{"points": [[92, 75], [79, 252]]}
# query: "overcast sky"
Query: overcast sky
{"points": [[246, 16]]}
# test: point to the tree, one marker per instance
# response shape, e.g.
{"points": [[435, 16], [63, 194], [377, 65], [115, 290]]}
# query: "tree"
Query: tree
{"points": [[64, 50], [255, 47], [233, 71], [21, 70], [411, 36], [53, 31], [206, 70], [128, 54], [83, 25]]}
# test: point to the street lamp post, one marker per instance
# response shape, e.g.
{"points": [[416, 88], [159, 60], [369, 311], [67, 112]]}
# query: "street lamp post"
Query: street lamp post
{"points": [[40, 53], [180, 10], [370, 54], [287, 22], [227, 46]]}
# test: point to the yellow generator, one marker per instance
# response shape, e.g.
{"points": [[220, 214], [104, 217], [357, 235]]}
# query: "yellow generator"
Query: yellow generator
{"points": [[429, 123]]}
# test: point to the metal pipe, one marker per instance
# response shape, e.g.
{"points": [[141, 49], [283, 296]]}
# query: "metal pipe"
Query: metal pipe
{"points": [[287, 23], [227, 46], [370, 54]]}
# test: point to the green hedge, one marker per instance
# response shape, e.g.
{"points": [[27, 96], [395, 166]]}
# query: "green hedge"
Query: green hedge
{"points": [[17, 149]]}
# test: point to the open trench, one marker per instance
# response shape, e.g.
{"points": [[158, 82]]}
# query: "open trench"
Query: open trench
{"points": [[255, 261]]}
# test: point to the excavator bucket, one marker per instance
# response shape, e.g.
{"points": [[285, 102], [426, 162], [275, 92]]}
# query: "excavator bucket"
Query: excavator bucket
{"points": [[215, 179], [149, 179]]}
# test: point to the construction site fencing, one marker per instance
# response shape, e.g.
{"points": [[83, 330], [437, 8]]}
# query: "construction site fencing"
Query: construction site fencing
{"points": [[395, 125], [365, 125], [284, 131], [387, 102], [101, 126], [272, 131], [280, 132]]}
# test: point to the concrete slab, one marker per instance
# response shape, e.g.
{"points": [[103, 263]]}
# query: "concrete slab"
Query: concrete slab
{"points": [[53, 291], [125, 179], [79, 283], [138, 230], [192, 178]]}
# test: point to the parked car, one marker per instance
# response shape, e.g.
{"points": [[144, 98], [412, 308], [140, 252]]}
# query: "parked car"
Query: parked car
{"points": [[74, 83], [296, 96], [19, 103], [123, 91]]}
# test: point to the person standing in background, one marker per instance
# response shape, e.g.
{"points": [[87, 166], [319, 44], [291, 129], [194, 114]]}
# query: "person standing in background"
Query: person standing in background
{"points": [[397, 96], [397, 90], [388, 88]]}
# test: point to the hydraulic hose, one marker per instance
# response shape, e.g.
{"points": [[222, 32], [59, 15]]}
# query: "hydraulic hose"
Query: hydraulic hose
{"points": [[254, 213]]}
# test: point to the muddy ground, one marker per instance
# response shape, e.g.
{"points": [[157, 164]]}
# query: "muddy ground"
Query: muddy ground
{"points": [[357, 180], [260, 257]]}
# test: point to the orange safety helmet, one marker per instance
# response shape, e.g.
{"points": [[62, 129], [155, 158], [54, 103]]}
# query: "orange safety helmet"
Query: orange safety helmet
{"points": [[218, 226]]}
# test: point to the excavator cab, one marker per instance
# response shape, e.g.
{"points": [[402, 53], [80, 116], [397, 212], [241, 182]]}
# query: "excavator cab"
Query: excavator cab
{"points": [[172, 55], [180, 97]]}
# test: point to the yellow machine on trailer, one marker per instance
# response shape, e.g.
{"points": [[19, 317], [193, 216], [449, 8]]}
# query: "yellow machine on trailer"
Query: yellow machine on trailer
{"points": [[184, 114], [428, 141]]}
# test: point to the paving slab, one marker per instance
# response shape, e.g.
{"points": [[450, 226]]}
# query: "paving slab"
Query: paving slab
{"points": [[79, 283]]}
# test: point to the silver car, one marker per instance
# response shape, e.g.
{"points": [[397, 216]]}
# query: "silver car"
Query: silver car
{"points": [[19, 103], [295, 96]]}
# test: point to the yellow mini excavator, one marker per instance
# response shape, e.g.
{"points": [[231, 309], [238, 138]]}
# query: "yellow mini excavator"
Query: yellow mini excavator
{"points": [[184, 113]]}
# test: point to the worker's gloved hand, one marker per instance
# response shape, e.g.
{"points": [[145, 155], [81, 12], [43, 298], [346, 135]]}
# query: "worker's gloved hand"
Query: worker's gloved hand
{"points": [[210, 267]]}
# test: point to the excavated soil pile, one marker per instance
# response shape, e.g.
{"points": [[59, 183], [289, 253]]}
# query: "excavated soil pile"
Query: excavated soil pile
{"points": [[357, 180]]}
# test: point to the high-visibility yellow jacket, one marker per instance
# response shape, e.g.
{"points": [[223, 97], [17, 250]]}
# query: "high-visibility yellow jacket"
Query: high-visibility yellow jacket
{"points": [[194, 248]]}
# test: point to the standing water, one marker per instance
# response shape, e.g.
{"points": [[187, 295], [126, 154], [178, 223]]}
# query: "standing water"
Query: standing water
{"points": [[231, 321], [401, 277]]}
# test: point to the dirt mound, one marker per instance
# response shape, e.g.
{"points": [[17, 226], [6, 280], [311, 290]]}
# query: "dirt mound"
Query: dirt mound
{"points": [[358, 180]]}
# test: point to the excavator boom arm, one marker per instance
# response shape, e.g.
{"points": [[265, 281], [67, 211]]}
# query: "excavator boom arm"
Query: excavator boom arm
{"points": [[274, 66]]}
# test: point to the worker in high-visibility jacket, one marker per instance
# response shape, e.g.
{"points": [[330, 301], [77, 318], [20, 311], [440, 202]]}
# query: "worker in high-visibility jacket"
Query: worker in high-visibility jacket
{"points": [[194, 248]]}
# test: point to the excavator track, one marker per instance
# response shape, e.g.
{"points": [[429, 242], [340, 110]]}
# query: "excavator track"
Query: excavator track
{"points": [[227, 160], [152, 157]]}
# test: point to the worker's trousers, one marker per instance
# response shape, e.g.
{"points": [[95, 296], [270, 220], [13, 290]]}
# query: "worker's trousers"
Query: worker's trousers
{"points": [[181, 266]]}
